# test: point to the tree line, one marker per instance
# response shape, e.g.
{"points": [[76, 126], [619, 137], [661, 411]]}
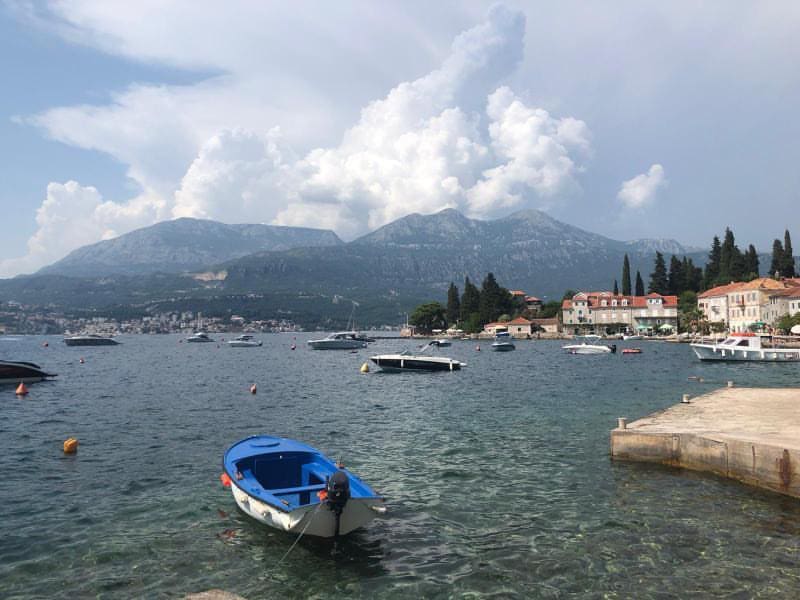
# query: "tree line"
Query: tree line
{"points": [[726, 263]]}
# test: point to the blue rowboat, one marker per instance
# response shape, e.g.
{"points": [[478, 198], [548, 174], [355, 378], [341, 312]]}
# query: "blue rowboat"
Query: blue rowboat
{"points": [[291, 486]]}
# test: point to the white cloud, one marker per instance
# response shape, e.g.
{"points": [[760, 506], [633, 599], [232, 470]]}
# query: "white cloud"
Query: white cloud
{"points": [[72, 216], [642, 189], [451, 138]]}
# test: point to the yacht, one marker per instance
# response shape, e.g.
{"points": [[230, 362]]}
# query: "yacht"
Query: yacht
{"points": [[21, 372], [340, 340], [405, 361], [200, 336], [502, 342], [90, 339], [745, 347], [244, 341], [442, 343], [589, 345]]}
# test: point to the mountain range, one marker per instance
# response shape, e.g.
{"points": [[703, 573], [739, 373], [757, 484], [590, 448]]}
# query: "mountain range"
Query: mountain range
{"points": [[306, 273]]}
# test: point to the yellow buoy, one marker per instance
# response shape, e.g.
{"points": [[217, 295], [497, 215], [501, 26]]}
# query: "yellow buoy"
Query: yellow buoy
{"points": [[365, 368], [21, 389], [70, 446], [253, 389]]}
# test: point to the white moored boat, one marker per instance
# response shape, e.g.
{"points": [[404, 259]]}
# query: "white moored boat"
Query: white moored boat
{"points": [[244, 341], [502, 342], [199, 337], [341, 340], [589, 345], [744, 347]]}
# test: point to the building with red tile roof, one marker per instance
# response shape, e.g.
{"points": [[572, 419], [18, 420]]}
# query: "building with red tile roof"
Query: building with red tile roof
{"points": [[606, 311]]}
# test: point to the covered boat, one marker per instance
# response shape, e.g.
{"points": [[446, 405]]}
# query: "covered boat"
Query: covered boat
{"points": [[293, 487], [90, 339], [200, 336], [21, 372], [585, 348], [745, 347], [502, 342], [340, 340], [244, 341]]}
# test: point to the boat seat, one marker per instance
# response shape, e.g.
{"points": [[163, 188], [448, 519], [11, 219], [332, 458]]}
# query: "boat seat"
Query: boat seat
{"points": [[298, 490]]}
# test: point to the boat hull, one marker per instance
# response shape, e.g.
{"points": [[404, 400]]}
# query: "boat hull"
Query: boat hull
{"points": [[336, 344], [234, 344], [90, 342], [503, 347], [395, 363], [711, 352], [21, 372], [587, 349], [315, 519]]}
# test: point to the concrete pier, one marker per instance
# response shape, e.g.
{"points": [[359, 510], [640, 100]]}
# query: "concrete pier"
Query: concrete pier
{"points": [[749, 434]]}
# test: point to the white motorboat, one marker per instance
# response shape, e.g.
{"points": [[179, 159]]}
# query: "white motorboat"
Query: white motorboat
{"points": [[442, 343], [745, 347], [405, 361], [502, 342], [90, 339], [585, 348], [340, 340], [244, 341], [634, 336], [200, 336]]}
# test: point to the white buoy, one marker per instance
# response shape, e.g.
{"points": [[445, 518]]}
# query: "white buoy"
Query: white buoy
{"points": [[253, 389]]}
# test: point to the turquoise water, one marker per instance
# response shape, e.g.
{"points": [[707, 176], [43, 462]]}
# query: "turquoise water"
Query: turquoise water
{"points": [[498, 479]]}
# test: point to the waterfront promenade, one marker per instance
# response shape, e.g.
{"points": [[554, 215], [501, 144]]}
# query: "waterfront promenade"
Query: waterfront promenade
{"points": [[748, 434]]}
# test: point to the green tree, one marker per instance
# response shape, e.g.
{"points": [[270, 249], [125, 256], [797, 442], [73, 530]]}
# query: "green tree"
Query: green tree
{"points": [[616, 288], [776, 266], [626, 276], [639, 285], [429, 316], [494, 300], [788, 256], [689, 316], [658, 278], [751, 263], [677, 278], [453, 305], [470, 301], [692, 276], [551, 309], [786, 322], [712, 265]]}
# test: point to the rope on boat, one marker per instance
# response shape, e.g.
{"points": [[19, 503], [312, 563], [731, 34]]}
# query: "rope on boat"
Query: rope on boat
{"points": [[313, 514]]}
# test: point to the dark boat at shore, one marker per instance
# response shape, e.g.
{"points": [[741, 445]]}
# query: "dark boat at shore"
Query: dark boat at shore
{"points": [[21, 372], [90, 339]]}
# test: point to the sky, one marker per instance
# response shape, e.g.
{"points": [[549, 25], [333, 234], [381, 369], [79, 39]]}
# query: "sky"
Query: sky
{"points": [[633, 119]]}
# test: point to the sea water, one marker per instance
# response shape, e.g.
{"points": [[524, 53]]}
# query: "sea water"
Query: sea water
{"points": [[497, 478]]}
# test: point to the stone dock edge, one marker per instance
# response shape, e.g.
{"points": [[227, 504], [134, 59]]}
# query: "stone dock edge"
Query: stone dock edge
{"points": [[739, 455]]}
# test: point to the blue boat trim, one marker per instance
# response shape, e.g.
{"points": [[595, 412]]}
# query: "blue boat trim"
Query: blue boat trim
{"points": [[283, 473]]}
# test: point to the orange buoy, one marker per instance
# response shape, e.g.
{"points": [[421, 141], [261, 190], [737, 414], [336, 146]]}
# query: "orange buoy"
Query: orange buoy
{"points": [[225, 479], [70, 446], [21, 389], [253, 389]]}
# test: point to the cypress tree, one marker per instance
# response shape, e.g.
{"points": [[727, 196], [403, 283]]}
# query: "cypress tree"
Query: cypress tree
{"points": [[726, 257], [751, 262], [658, 278], [616, 288], [788, 256], [470, 300], [639, 285], [776, 266], [712, 266], [626, 276], [677, 278], [494, 300], [453, 305]]}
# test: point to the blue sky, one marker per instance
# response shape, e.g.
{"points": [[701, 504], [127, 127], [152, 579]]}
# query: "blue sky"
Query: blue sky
{"points": [[630, 119]]}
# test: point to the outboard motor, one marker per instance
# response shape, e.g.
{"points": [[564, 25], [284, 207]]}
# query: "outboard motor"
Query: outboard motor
{"points": [[613, 348], [338, 488]]}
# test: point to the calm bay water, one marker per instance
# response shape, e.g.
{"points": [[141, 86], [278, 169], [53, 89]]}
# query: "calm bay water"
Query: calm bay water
{"points": [[497, 478]]}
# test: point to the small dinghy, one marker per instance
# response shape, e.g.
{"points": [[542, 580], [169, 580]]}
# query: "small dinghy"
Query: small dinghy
{"points": [[293, 487]]}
